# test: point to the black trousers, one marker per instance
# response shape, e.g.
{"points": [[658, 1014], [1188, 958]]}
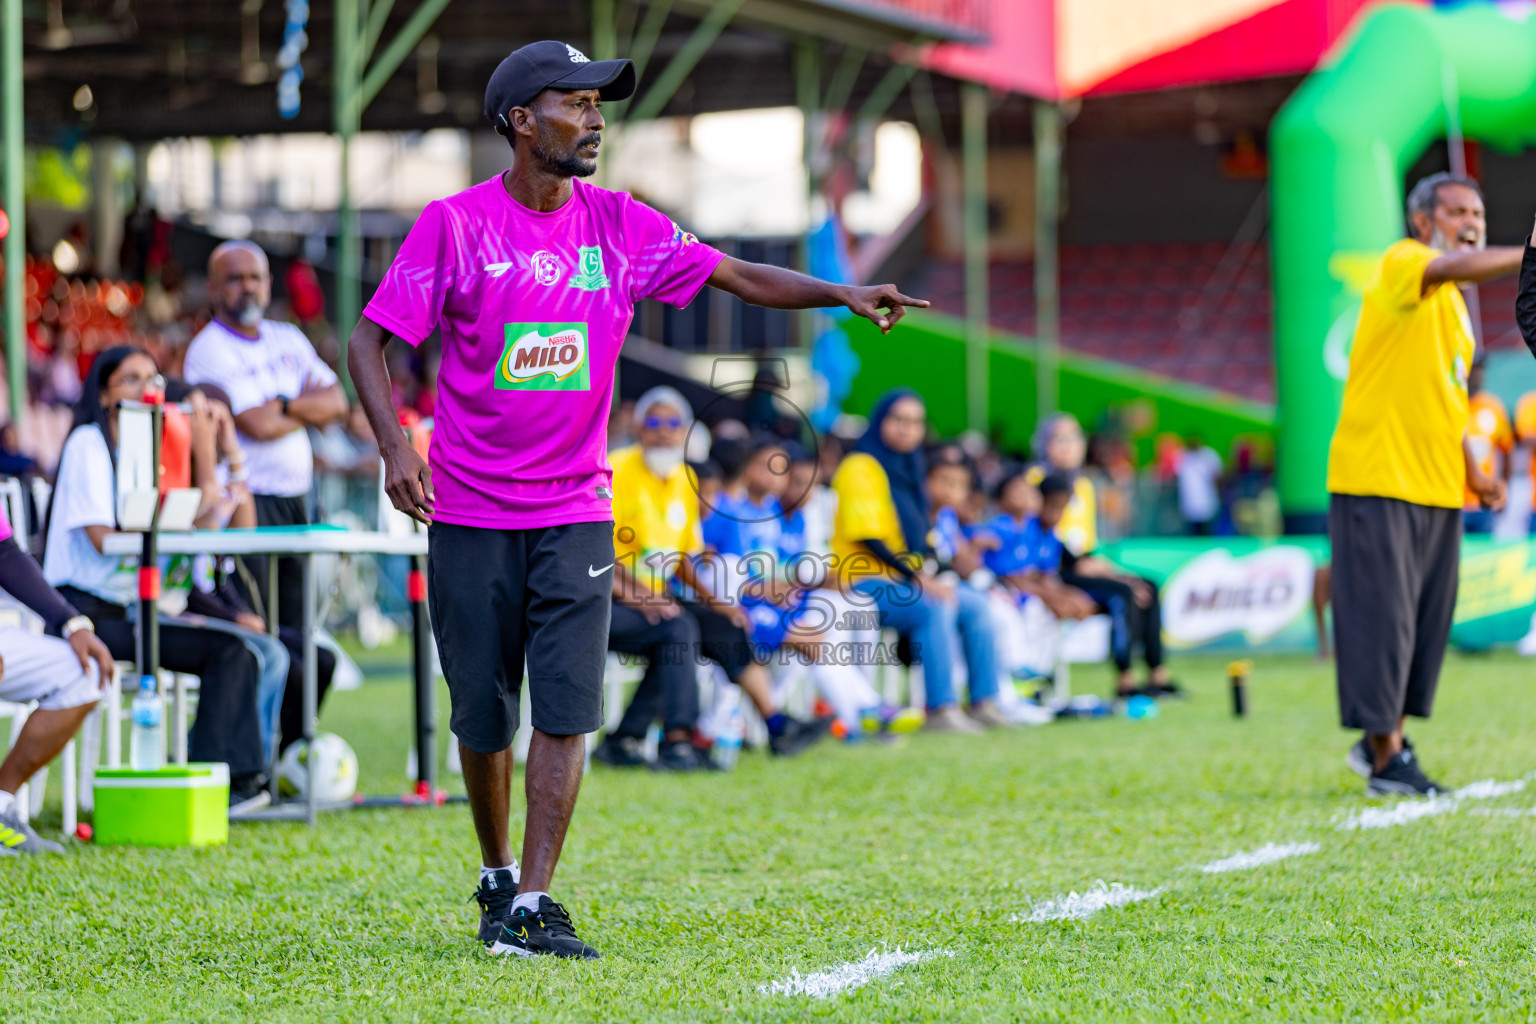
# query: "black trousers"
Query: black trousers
{"points": [[670, 689], [291, 717], [276, 510], [1395, 570], [1130, 623], [226, 727]]}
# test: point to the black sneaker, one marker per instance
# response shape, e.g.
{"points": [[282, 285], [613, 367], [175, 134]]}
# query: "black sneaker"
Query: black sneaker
{"points": [[1360, 759], [547, 932], [682, 757], [1402, 776], [621, 752], [495, 895], [248, 793], [1161, 690], [798, 735]]}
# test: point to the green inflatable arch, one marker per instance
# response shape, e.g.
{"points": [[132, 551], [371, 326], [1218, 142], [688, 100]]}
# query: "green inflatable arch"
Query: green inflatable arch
{"points": [[1339, 150]]}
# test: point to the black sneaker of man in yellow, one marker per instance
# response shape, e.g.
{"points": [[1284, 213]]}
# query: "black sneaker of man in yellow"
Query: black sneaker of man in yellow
{"points": [[495, 895], [547, 931]]}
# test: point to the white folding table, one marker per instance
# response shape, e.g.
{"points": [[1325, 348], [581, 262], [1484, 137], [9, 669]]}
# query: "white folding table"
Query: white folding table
{"points": [[307, 542]]}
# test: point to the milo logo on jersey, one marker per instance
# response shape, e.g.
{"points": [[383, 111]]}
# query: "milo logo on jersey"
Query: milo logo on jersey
{"points": [[544, 357]]}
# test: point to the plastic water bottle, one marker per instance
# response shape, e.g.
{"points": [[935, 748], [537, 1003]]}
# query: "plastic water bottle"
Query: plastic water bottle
{"points": [[728, 740], [146, 746]]}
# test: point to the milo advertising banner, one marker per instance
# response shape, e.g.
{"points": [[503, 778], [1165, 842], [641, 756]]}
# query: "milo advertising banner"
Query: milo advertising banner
{"points": [[1242, 593]]}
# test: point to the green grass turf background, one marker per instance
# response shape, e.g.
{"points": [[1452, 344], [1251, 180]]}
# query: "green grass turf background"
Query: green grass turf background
{"points": [[698, 889]]}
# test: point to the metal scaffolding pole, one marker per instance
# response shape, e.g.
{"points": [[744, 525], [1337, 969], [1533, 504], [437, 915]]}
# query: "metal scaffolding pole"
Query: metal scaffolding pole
{"points": [[347, 112], [808, 99], [358, 31], [15, 208], [1047, 273], [973, 126]]}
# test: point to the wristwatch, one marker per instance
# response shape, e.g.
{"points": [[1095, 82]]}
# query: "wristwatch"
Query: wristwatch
{"points": [[285, 400], [76, 624]]}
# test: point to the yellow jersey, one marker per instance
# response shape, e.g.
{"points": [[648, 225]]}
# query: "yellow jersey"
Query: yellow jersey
{"points": [[865, 511], [1491, 438], [1405, 403], [654, 521], [1078, 530]]}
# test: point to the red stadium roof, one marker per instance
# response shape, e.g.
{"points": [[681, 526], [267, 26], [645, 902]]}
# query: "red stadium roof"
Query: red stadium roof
{"points": [[1057, 49]]}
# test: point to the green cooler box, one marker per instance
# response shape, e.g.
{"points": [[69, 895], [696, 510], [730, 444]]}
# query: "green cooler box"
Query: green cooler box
{"points": [[179, 805]]}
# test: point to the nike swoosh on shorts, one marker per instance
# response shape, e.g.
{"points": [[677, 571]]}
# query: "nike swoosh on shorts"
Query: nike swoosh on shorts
{"points": [[598, 572]]}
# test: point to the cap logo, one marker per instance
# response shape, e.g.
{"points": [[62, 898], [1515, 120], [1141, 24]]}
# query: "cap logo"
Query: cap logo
{"points": [[577, 57]]}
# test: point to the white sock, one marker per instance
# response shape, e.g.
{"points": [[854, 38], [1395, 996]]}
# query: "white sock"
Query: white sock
{"points": [[486, 872], [528, 901], [7, 801]]}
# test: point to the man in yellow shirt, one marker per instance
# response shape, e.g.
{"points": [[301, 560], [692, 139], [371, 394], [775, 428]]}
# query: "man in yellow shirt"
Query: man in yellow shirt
{"points": [[1397, 470]]}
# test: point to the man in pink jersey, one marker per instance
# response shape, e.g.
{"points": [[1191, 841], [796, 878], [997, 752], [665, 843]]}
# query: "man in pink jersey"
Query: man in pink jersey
{"points": [[532, 278]]}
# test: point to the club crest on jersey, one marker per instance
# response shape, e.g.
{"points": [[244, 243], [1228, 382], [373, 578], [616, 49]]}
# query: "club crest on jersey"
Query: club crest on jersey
{"points": [[683, 238], [592, 277], [544, 357], [546, 267]]}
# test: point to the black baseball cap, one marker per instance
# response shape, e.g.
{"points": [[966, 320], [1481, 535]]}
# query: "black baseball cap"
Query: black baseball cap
{"points": [[551, 64]]}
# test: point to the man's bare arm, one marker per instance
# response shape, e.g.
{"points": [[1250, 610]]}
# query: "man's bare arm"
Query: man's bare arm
{"points": [[1471, 267], [407, 480], [777, 288]]}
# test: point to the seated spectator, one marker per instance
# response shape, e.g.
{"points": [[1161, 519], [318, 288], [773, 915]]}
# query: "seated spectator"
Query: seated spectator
{"points": [[1060, 448], [216, 601], [1490, 440], [960, 548], [1132, 603], [878, 541], [657, 537], [81, 516], [63, 672], [810, 505], [1027, 557], [749, 533]]}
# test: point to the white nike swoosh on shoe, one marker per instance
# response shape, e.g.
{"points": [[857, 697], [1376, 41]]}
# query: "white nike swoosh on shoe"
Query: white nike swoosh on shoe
{"points": [[503, 948], [598, 572]]}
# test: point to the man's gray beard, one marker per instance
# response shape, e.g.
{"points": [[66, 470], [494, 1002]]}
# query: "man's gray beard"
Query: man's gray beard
{"points": [[662, 461], [1437, 240], [250, 314]]}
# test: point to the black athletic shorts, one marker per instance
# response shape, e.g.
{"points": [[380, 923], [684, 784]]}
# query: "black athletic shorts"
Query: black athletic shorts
{"points": [[500, 597], [1395, 570]]}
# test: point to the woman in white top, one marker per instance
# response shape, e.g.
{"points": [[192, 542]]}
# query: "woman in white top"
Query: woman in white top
{"points": [[82, 515]]}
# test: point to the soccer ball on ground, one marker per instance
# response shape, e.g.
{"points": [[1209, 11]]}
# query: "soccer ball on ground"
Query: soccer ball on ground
{"points": [[335, 769]]}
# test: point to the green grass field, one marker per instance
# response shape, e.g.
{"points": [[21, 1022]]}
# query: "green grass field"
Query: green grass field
{"points": [[698, 890]]}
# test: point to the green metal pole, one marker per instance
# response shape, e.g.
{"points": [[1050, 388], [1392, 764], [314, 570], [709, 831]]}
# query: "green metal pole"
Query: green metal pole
{"points": [[346, 89], [808, 98], [1047, 274], [15, 209], [605, 38], [973, 131]]}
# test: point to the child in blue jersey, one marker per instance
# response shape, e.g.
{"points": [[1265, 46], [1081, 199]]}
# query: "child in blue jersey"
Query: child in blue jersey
{"points": [[1028, 556], [748, 532], [965, 549]]}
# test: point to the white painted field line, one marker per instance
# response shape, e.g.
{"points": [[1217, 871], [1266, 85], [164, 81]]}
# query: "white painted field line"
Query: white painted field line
{"points": [[1488, 789], [1412, 810], [1266, 854], [1075, 906], [847, 977]]}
